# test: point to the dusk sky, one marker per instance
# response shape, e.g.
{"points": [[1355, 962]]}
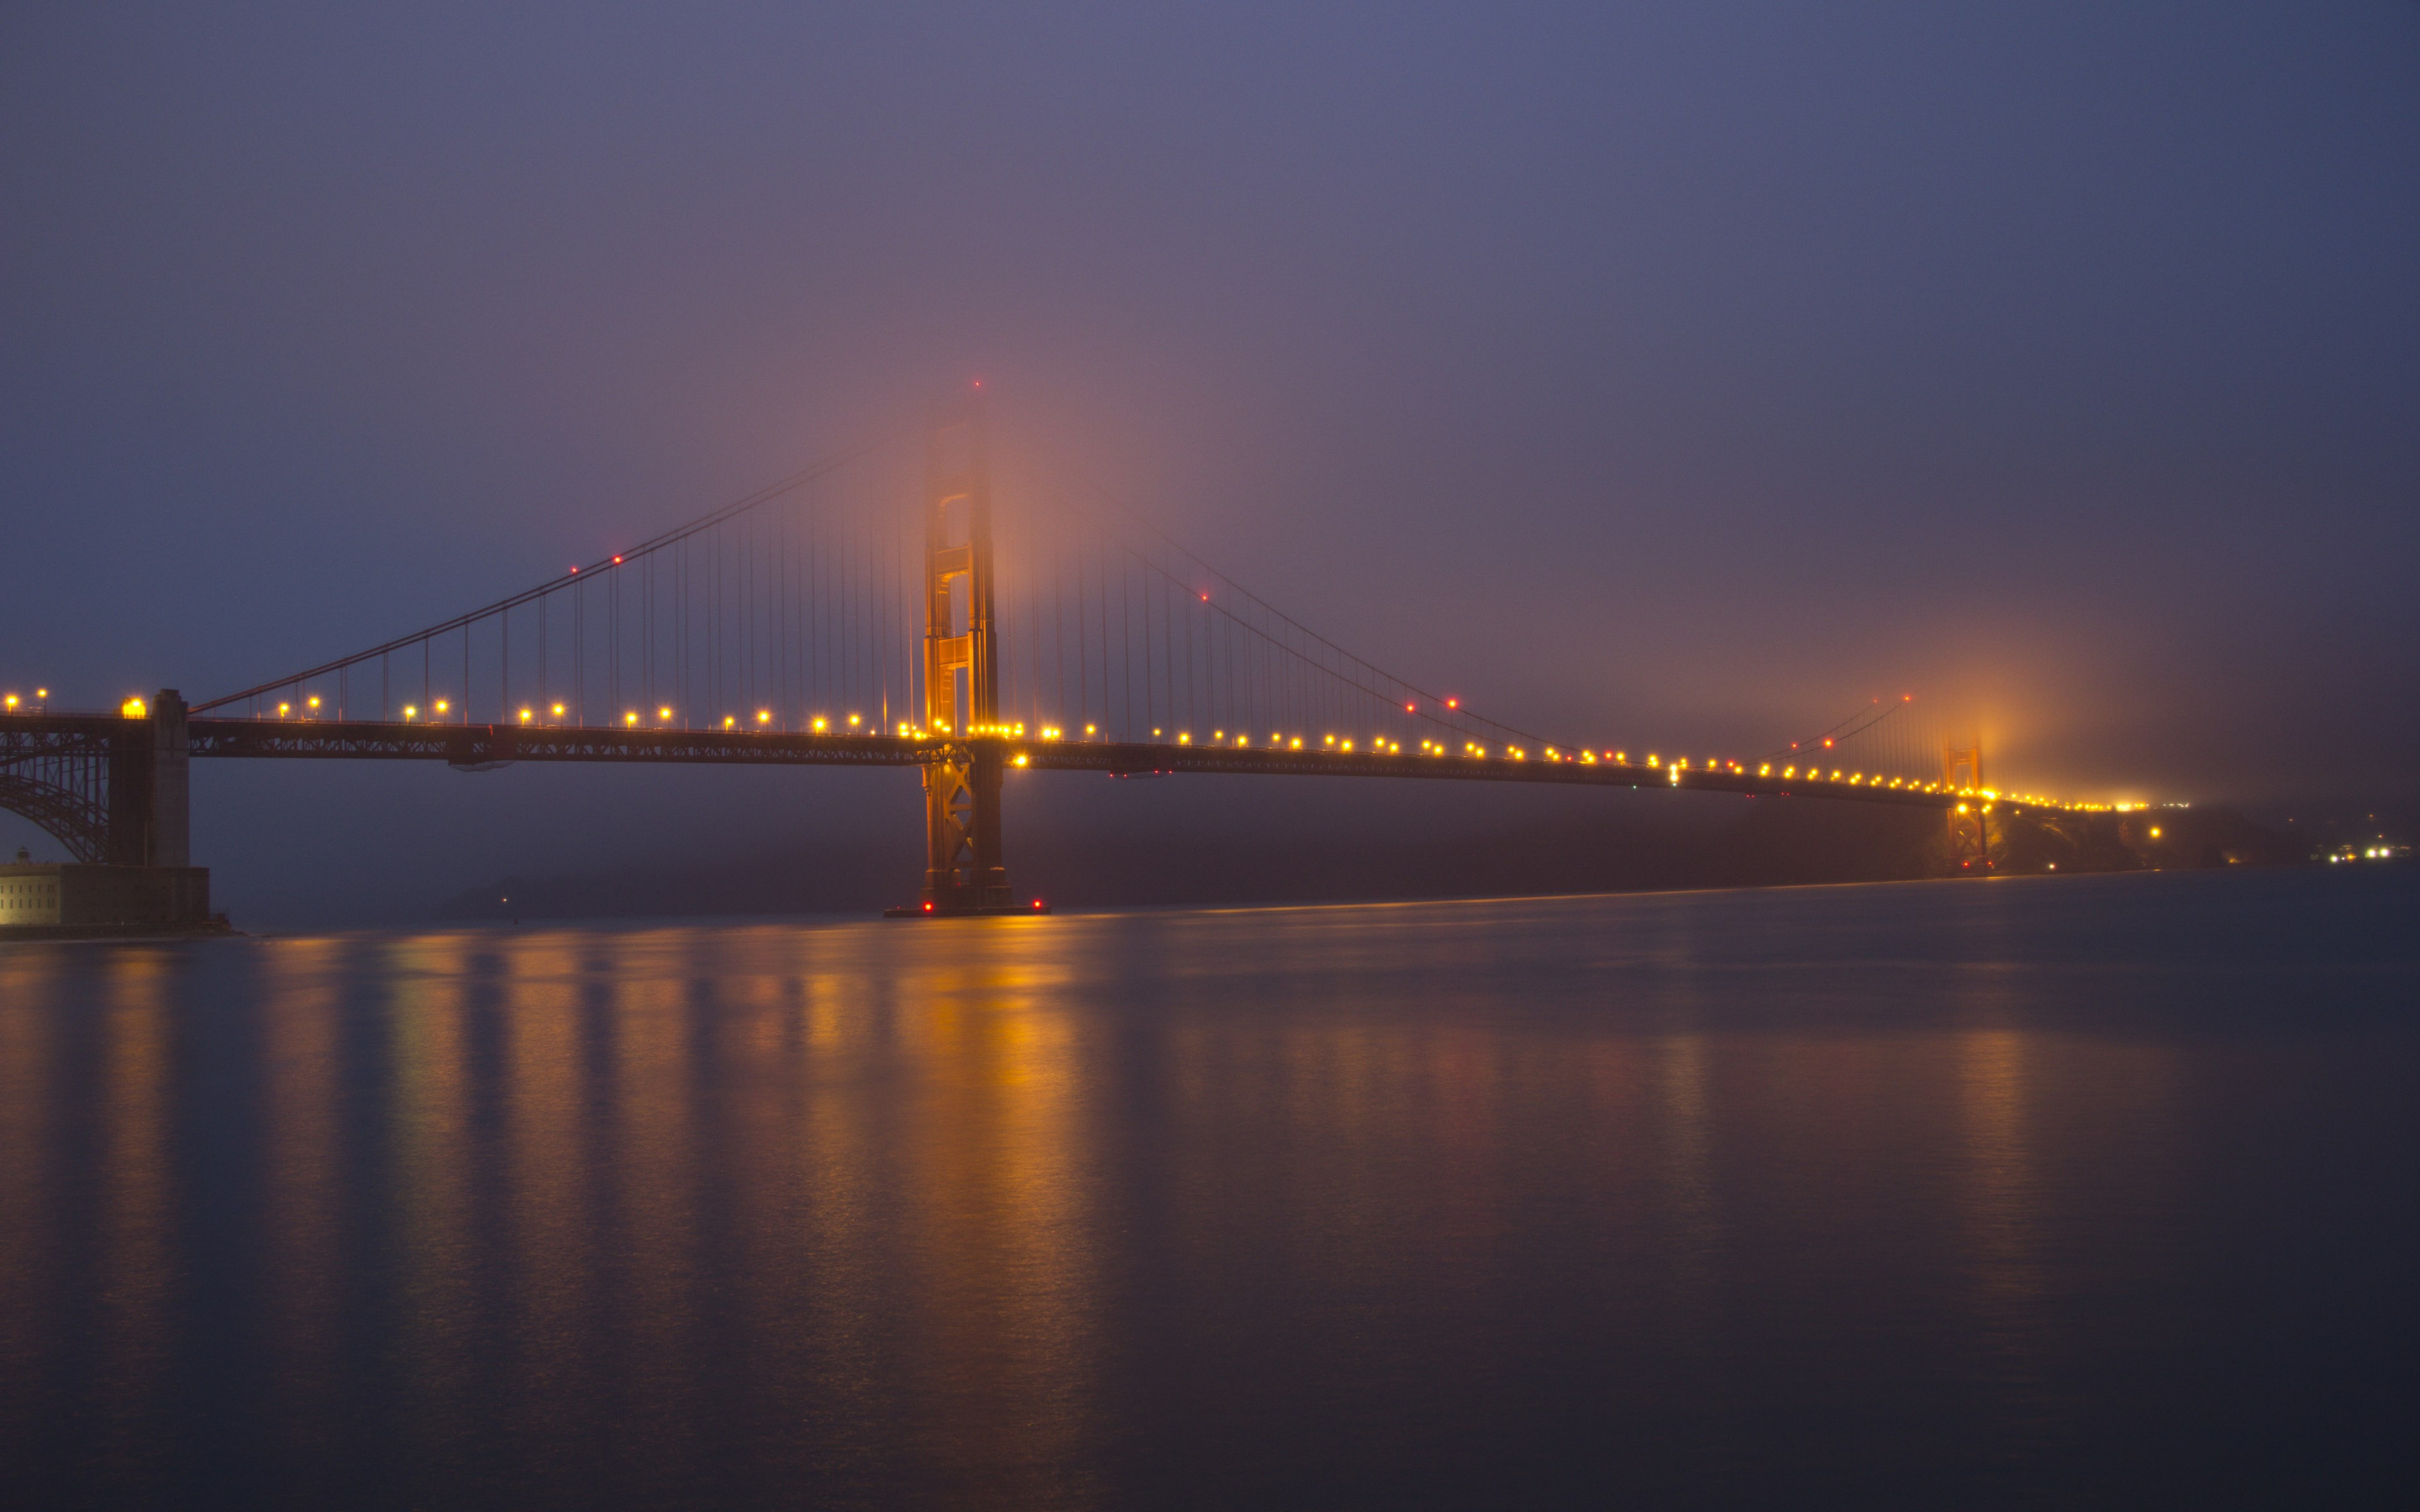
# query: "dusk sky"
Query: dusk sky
{"points": [[1689, 374]]}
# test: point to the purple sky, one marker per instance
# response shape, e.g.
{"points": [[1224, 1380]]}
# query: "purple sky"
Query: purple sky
{"points": [[2061, 363]]}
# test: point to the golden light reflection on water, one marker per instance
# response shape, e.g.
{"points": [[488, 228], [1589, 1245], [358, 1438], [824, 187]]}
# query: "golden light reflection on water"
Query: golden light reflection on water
{"points": [[136, 1203], [431, 1165], [2003, 1198], [552, 1267], [30, 1032], [997, 1235], [874, 1196], [651, 1193], [709, 1155], [303, 1142], [1681, 1098]]}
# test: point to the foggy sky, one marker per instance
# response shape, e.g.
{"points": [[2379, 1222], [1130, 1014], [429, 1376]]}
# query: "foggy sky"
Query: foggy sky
{"points": [[2060, 365]]}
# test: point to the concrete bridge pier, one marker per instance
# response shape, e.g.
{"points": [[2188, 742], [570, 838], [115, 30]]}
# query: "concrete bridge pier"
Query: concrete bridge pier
{"points": [[150, 794], [133, 835]]}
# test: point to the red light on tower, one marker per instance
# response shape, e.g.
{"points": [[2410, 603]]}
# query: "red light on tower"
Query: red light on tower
{"points": [[1037, 902], [928, 908], [617, 561], [1454, 703]]}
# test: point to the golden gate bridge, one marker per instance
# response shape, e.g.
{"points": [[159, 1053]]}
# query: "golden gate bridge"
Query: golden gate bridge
{"points": [[905, 602]]}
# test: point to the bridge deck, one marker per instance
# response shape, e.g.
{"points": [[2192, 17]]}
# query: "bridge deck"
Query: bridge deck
{"points": [[479, 746]]}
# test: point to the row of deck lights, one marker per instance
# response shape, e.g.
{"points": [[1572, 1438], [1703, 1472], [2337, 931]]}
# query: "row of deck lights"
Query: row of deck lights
{"points": [[132, 707], [1675, 769], [1377, 744]]}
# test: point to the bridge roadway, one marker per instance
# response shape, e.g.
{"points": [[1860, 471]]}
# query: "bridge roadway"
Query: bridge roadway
{"points": [[477, 746]]}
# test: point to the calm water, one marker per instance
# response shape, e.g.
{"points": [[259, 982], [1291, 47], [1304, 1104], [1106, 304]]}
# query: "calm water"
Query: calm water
{"points": [[2100, 1190]]}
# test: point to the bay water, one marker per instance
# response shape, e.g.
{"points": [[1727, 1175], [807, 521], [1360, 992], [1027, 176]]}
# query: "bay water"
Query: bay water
{"points": [[2098, 1191]]}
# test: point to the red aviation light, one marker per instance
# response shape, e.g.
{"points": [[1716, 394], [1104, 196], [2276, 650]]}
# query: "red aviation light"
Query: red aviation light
{"points": [[1454, 703], [928, 908], [1037, 902]]}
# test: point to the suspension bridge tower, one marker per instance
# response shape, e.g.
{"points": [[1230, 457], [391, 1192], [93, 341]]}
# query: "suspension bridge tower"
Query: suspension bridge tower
{"points": [[963, 870], [1970, 836]]}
